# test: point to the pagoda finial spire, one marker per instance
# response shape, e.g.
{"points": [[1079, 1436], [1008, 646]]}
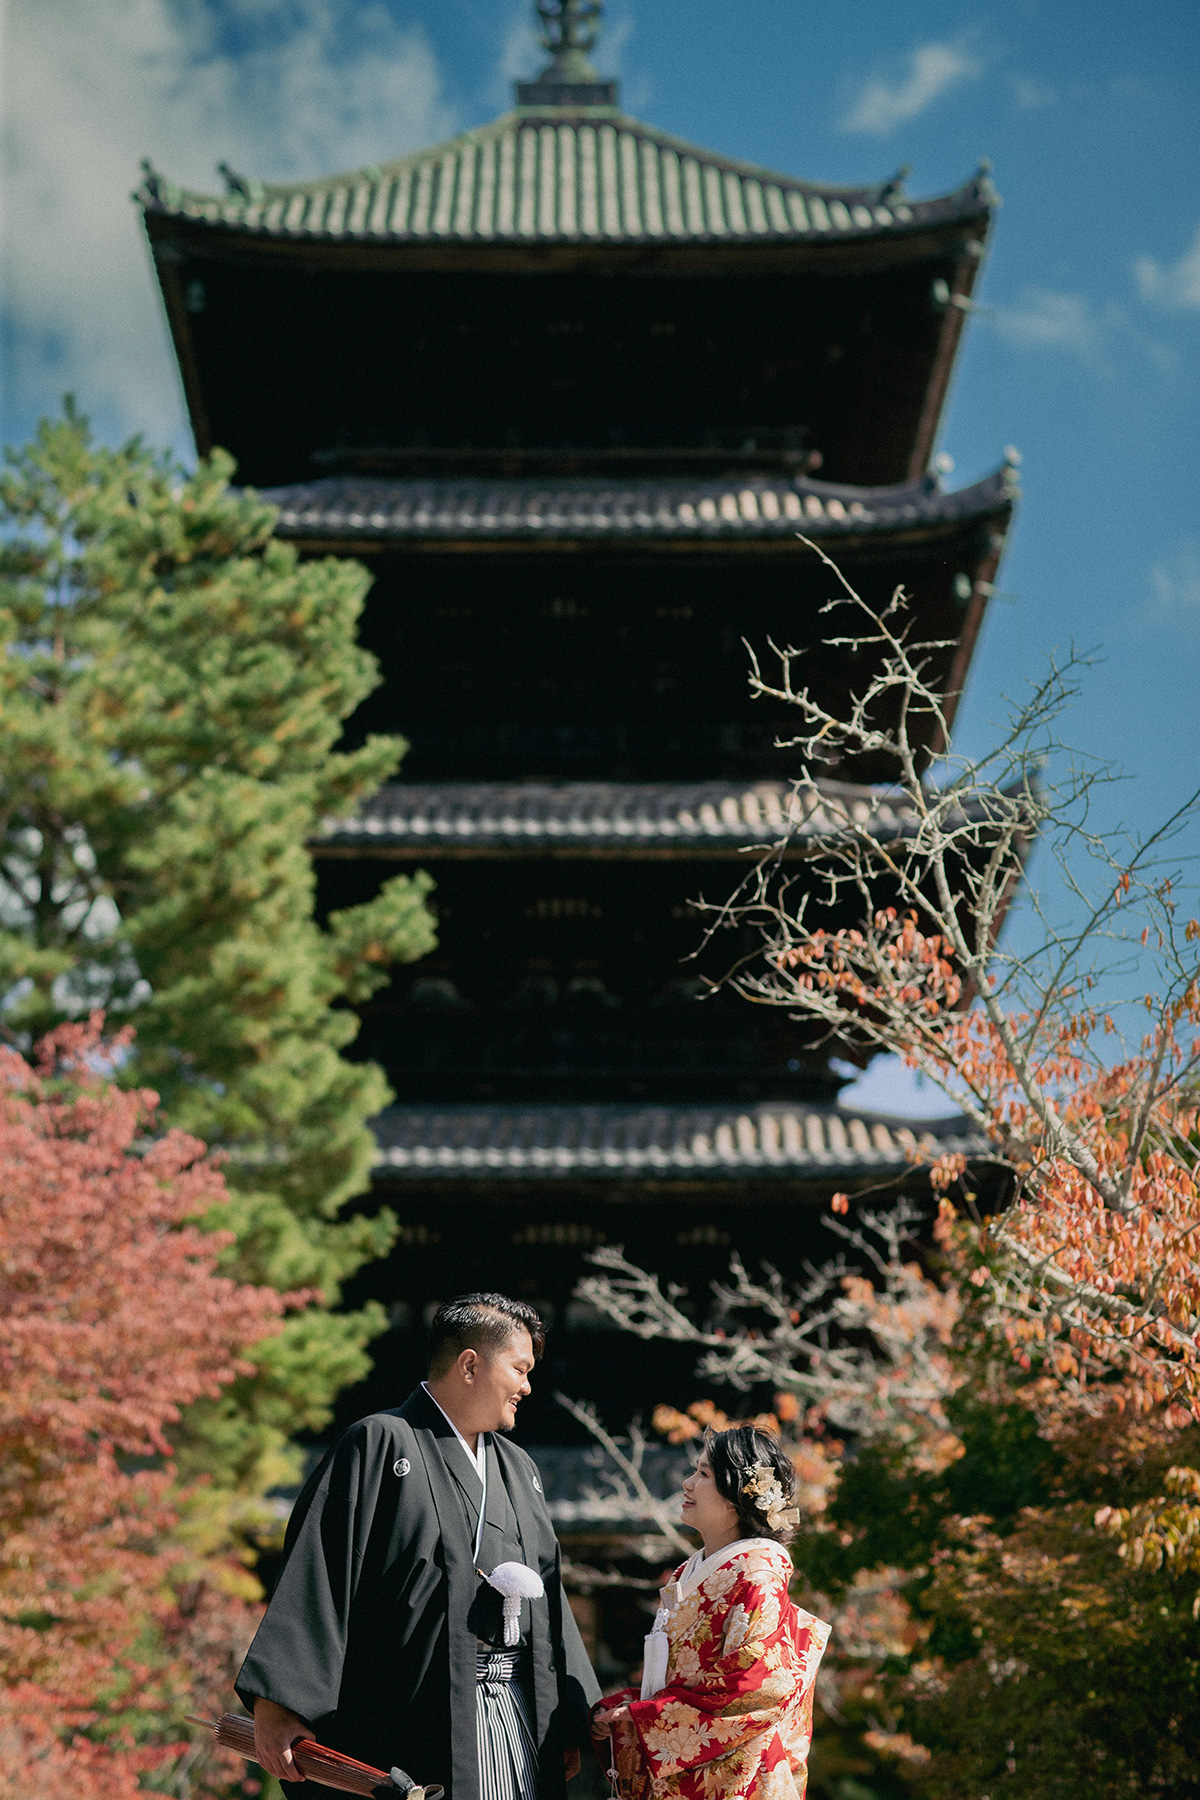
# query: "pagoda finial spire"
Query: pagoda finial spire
{"points": [[569, 29]]}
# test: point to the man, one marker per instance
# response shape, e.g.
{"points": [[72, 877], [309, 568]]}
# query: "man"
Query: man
{"points": [[384, 1637]]}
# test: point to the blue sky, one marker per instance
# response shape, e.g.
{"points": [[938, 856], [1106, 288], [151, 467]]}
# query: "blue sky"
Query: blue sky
{"points": [[1087, 356]]}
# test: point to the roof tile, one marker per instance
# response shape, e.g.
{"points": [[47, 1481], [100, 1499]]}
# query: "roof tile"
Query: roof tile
{"points": [[606, 1141], [594, 507], [684, 816], [691, 818], [562, 173]]}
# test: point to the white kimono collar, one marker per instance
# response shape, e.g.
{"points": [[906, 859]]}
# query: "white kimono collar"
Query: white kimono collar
{"points": [[698, 1568], [694, 1573]]}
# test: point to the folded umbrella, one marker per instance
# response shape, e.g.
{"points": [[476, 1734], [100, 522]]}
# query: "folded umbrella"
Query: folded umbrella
{"points": [[233, 1731]]}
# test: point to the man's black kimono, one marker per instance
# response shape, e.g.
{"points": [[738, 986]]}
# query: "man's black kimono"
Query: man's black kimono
{"points": [[374, 1626]]}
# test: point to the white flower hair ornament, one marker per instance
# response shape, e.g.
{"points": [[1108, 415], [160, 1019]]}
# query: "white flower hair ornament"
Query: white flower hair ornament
{"points": [[763, 1487]]}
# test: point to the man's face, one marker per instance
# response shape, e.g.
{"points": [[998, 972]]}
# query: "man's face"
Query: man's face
{"points": [[502, 1382]]}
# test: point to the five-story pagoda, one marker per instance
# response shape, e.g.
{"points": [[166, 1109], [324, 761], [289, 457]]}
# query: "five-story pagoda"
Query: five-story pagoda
{"points": [[572, 388]]}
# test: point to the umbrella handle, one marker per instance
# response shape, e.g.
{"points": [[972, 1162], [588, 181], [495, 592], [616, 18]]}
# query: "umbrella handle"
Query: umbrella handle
{"points": [[316, 1762]]}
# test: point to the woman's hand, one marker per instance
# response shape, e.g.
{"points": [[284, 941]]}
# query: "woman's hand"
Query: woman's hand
{"points": [[608, 1718]]}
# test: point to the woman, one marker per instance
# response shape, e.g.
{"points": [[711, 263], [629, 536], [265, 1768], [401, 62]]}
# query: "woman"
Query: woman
{"points": [[725, 1707]]}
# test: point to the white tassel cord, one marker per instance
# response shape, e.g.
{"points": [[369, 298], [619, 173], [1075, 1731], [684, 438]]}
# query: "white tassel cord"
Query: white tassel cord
{"points": [[516, 1583], [658, 1654]]}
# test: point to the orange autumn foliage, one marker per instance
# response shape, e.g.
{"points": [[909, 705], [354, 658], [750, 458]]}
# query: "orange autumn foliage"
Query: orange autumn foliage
{"points": [[815, 1460], [112, 1318], [1093, 1270]]}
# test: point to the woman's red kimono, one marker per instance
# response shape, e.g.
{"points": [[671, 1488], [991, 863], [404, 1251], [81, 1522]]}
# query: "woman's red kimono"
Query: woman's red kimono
{"points": [[734, 1721]]}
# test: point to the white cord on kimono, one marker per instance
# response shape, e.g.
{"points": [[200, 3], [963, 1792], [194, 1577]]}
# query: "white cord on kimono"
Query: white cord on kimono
{"points": [[516, 1583], [657, 1645], [658, 1655], [481, 1467]]}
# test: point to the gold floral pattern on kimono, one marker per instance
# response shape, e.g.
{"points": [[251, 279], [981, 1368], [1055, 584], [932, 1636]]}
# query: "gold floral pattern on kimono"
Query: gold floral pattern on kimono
{"points": [[734, 1721]]}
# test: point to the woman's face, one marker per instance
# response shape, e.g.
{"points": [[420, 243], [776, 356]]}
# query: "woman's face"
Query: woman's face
{"points": [[704, 1509]]}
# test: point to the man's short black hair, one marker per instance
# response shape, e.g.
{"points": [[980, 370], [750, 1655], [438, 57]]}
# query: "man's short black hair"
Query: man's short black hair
{"points": [[482, 1322]]}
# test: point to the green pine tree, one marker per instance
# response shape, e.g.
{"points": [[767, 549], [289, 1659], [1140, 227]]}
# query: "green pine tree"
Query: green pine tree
{"points": [[173, 682]]}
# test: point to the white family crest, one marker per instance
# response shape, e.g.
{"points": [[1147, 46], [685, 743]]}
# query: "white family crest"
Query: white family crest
{"points": [[537, 1482], [401, 1467]]}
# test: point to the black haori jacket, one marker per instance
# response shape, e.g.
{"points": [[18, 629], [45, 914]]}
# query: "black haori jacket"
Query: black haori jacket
{"points": [[372, 1632]]}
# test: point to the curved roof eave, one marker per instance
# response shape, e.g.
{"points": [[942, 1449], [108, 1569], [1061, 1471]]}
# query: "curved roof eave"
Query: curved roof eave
{"points": [[678, 511], [696, 820], [562, 175], [491, 1141]]}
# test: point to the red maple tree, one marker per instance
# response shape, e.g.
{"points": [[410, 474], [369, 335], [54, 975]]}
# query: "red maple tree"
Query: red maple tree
{"points": [[112, 1318]]}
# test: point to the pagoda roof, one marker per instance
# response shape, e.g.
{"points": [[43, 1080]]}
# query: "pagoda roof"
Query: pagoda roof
{"points": [[360, 509], [563, 174], [593, 818], [557, 1142]]}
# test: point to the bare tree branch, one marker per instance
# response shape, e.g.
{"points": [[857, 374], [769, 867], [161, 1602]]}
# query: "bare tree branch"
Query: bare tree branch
{"points": [[628, 1485], [868, 1356], [1085, 1110]]}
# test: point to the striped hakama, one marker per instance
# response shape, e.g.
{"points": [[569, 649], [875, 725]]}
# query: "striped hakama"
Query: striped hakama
{"points": [[508, 1760]]}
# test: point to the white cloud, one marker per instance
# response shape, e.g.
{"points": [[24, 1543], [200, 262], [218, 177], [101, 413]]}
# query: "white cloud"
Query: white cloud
{"points": [[1043, 319], [1031, 95], [521, 53], [1174, 597], [929, 71], [1174, 284], [91, 88], [1070, 323]]}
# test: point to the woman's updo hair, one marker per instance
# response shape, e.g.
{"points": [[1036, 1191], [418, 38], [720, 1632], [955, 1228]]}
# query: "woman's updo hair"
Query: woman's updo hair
{"points": [[735, 1457]]}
